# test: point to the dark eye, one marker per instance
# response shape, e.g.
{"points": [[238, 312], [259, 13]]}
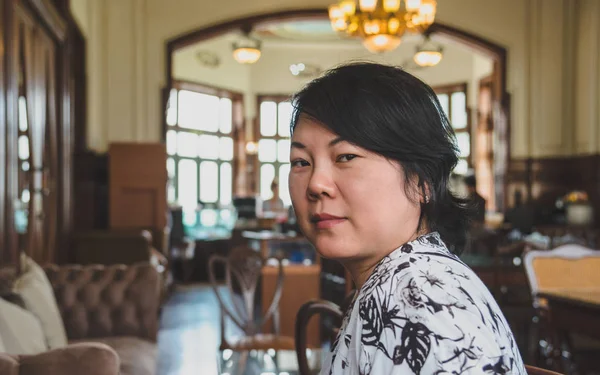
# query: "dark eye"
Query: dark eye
{"points": [[299, 163], [346, 158]]}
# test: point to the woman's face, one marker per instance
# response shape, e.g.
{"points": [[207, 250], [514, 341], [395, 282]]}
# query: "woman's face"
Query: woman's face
{"points": [[350, 203]]}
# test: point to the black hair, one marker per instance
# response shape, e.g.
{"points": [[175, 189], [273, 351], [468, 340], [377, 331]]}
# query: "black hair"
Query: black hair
{"points": [[390, 112]]}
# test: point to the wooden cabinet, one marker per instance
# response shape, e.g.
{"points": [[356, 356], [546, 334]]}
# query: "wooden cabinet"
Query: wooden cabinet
{"points": [[137, 188], [37, 116]]}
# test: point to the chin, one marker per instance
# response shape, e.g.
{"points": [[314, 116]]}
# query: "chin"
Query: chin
{"points": [[333, 249]]}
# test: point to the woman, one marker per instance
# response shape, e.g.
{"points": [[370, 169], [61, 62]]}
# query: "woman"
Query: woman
{"points": [[274, 204], [371, 156]]}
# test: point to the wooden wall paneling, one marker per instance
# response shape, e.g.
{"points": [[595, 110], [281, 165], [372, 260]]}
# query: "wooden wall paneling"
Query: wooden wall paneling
{"points": [[90, 191], [8, 134], [543, 180]]}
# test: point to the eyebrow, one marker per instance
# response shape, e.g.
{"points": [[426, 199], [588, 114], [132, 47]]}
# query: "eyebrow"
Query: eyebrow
{"points": [[331, 144]]}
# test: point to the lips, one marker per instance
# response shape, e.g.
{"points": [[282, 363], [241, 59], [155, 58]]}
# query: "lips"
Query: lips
{"points": [[326, 221]]}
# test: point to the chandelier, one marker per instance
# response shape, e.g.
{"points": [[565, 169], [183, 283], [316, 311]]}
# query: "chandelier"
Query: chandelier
{"points": [[381, 23]]}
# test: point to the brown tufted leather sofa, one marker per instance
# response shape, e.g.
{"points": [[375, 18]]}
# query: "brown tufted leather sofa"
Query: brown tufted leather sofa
{"points": [[116, 305]]}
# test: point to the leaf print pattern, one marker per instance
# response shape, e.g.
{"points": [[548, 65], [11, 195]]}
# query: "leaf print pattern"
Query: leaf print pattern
{"points": [[415, 347], [423, 311]]}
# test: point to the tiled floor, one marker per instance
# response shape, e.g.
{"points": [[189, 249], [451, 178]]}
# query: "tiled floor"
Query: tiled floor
{"points": [[189, 333]]}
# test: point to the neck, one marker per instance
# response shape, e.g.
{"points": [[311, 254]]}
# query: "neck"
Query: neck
{"points": [[360, 270]]}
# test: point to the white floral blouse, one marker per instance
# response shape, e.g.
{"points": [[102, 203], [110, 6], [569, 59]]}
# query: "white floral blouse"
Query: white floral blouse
{"points": [[423, 311]]}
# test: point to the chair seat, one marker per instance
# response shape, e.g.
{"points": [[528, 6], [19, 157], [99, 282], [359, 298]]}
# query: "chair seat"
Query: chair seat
{"points": [[261, 342]]}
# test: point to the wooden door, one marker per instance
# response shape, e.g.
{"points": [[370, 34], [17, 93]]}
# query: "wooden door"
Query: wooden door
{"points": [[484, 145], [37, 143]]}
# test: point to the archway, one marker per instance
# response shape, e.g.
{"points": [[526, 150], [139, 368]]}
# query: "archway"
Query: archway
{"points": [[500, 97]]}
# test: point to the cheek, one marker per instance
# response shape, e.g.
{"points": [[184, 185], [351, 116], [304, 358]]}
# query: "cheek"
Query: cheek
{"points": [[382, 200], [297, 189]]}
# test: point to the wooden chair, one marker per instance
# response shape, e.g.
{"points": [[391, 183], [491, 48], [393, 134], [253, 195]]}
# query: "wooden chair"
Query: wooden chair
{"points": [[565, 267], [243, 269], [307, 310]]}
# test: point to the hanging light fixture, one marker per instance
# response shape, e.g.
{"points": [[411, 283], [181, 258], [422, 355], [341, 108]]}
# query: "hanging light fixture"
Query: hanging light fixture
{"points": [[428, 54], [246, 50], [382, 23]]}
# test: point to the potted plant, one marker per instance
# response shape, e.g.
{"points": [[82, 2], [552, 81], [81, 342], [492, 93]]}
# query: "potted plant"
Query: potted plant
{"points": [[578, 208]]}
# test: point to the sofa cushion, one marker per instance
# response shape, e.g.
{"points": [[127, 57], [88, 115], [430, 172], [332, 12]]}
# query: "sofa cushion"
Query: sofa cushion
{"points": [[84, 358], [107, 301], [35, 288], [20, 330], [138, 356]]}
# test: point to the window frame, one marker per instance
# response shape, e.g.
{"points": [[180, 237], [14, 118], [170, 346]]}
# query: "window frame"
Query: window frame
{"points": [[449, 90], [236, 122], [260, 98]]}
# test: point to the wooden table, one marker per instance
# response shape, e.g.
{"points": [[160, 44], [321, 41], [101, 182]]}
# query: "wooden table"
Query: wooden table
{"points": [[574, 310]]}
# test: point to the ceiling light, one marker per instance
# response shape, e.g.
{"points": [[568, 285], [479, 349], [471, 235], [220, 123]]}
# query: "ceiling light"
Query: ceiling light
{"points": [[428, 54], [246, 50]]}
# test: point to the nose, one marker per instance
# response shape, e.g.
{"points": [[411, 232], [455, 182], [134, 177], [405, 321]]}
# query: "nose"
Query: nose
{"points": [[321, 184]]}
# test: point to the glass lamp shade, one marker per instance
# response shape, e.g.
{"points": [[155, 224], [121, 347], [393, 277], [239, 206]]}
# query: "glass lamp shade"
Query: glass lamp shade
{"points": [[428, 58], [246, 55], [381, 43]]}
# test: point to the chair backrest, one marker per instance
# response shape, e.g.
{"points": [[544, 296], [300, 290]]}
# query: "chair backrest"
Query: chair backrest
{"points": [[531, 370], [243, 269], [566, 267], [307, 310]]}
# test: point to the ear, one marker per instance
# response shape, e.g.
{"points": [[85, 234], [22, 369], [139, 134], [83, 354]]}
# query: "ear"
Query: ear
{"points": [[425, 192]]}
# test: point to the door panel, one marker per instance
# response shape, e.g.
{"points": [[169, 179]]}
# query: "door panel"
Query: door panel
{"points": [[38, 62]]}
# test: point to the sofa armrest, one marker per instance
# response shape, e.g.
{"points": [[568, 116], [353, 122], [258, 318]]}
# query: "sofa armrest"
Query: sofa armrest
{"points": [[84, 358], [104, 301]]}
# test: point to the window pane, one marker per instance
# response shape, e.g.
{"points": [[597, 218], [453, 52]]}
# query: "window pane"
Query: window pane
{"points": [[226, 148], [226, 183], [225, 115], [171, 142], [443, 98], [172, 108], [208, 146], [170, 168], [284, 114], [187, 185], [186, 144], [188, 110], [170, 193], [209, 112], [268, 119], [209, 181], [267, 174], [267, 150], [459, 110], [283, 150], [23, 124], [284, 191], [23, 147], [462, 167], [464, 144]]}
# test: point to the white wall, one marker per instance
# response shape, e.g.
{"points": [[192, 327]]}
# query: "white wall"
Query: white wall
{"points": [[587, 83], [127, 45]]}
